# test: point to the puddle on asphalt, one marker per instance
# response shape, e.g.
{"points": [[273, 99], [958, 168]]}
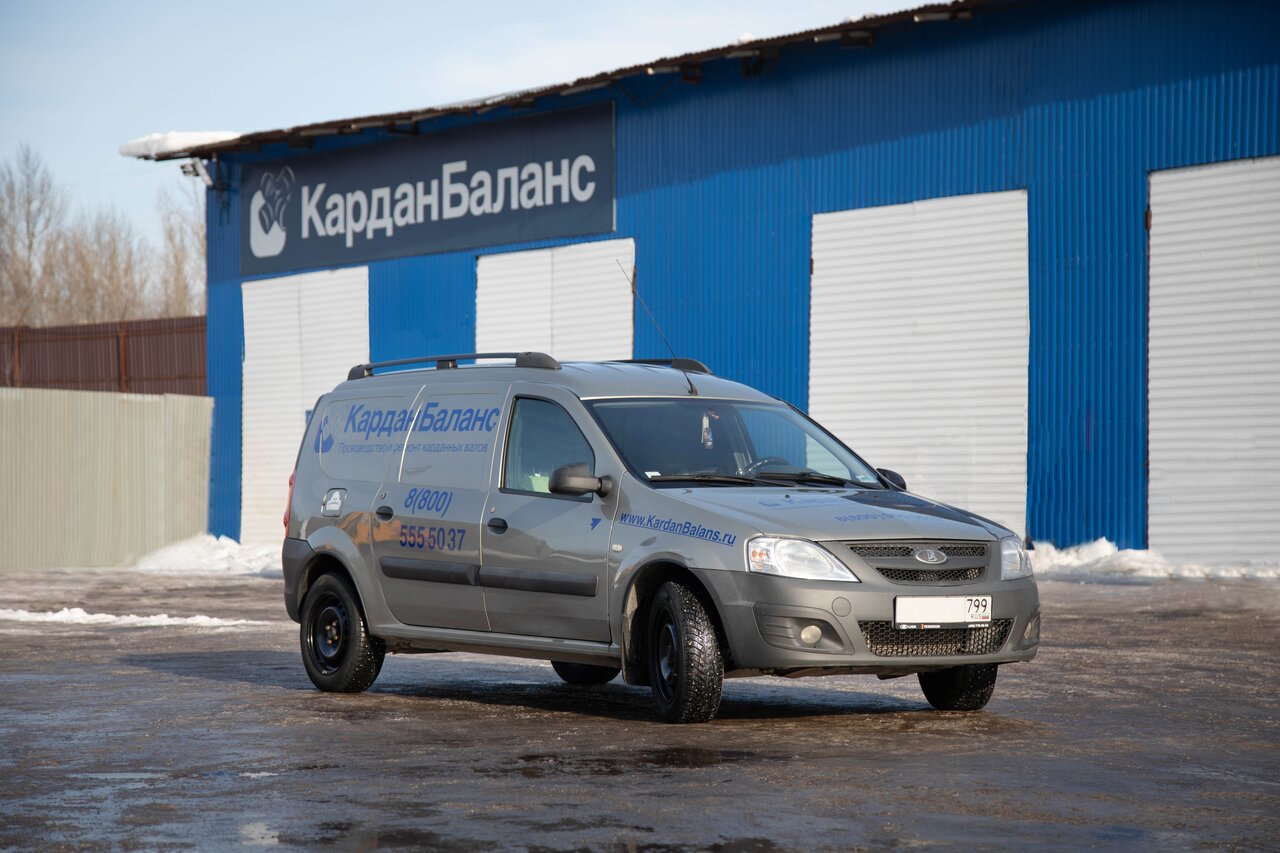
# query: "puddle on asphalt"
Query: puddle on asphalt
{"points": [[121, 777], [666, 758]]}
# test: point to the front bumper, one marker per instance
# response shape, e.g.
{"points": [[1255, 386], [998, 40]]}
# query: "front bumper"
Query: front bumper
{"points": [[763, 615]]}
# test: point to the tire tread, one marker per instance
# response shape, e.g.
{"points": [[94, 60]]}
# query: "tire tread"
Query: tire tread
{"points": [[367, 652], [960, 688], [702, 664]]}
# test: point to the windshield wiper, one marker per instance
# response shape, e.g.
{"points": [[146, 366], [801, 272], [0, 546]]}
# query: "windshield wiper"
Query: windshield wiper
{"points": [[704, 477], [803, 477]]}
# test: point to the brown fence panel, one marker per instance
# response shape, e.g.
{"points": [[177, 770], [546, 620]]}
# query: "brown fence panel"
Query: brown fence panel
{"points": [[165, 356]]}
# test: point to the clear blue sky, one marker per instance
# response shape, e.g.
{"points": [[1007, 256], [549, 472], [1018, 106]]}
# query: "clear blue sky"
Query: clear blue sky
{"points": [[78, 79]]}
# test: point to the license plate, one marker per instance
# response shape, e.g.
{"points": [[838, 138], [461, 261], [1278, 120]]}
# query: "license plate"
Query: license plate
{"points": [[945, 611]]}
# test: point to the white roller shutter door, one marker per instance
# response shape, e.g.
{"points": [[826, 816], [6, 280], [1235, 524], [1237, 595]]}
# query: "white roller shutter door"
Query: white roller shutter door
{"points": [[301, 335], [1214, 363], [570, 301], [918, 339]]}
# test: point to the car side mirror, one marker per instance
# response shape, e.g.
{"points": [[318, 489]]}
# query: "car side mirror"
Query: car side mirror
{"points": [[893, 477], [577, 480]]}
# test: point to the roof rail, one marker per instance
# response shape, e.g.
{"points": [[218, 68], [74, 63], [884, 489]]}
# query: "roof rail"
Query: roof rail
{"points": [[523, 359], [689, 365]]}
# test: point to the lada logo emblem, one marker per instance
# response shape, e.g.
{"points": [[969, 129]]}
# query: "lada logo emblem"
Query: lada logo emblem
{"points": [[932, 556]]}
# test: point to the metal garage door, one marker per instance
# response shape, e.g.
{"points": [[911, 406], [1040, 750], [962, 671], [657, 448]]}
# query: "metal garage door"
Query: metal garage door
{"points": [[1214, 363], [571, 301], [918, 344], [302, 334]]}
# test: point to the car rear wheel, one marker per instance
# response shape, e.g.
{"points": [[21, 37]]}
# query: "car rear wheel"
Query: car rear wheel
{"points": [[337, 650], [960, 688], [686, 669], [583, 673]]}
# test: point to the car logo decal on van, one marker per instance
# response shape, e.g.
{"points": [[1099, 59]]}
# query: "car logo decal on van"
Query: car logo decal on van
{"points": [[594, 522], [324, 437], [932, 556]]}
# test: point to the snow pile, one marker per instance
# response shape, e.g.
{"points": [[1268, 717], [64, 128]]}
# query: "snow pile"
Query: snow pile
{"points": [[77, 616], [207, 555], [1103, 561], [174, 142]]}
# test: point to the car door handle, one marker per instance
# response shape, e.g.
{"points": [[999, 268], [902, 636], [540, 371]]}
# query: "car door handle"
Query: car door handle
{"points": [[385, 513], [498, 525]]}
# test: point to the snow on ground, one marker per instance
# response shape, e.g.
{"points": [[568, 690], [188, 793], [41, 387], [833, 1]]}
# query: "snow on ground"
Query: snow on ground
{"points": [[77, 616], [1101, 561], [175, 141], [209, 555]]}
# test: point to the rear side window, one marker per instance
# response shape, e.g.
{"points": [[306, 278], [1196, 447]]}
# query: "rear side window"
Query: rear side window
{"points": [[356, 438], [543, 438]]}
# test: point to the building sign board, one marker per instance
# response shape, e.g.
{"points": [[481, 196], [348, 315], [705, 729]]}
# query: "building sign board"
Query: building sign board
{"points": [[549, 175]]}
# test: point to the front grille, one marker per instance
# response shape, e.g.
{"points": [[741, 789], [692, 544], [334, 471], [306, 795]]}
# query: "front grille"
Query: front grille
{"points": [[873, 552], [932, 575], [897, 551], [884, 640], [961, 549]]}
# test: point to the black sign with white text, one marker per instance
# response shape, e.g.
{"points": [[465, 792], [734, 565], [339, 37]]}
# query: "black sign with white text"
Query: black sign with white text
{"points": [[548, 175]]}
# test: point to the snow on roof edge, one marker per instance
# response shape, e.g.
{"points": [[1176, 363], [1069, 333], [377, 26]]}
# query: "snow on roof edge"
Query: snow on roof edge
{"points": [[155, 145]]}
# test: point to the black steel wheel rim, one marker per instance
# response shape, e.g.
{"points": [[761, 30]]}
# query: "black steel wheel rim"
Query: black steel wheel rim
{"points": [[664, 655], [330, 634]]}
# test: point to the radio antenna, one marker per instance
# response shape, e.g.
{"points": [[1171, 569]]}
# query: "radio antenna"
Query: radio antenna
{"points": [[675, 361]]}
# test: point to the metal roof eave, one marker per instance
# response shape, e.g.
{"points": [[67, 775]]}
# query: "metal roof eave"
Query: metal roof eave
{"points": [[850, 31]]}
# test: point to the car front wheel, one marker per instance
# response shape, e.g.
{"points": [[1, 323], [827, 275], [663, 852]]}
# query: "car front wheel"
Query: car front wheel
{"points": [[960, 688], [686, 669]]}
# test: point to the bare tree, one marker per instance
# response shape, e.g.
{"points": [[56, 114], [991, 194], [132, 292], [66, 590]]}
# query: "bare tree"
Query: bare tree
{"points": [[180, 266], [93, 268], [32, 211], [102, 273]]}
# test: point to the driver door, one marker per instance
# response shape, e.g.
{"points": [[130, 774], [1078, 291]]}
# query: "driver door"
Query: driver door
{"points": [[545, 556]]}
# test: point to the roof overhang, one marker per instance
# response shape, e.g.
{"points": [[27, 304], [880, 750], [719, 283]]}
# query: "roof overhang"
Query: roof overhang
{"points": [[849, 33]]}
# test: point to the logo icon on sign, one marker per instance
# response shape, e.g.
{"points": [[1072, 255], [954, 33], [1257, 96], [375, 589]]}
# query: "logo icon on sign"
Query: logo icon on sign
{"points": [[266, 213], [932, 556]]}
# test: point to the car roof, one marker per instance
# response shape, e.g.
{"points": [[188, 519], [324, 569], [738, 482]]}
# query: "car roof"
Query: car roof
{"points": [[585, 379]]}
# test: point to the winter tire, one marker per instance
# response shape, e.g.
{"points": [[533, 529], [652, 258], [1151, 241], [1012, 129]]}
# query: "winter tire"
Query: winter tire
{"points": [[686, 670], [582, 673], [960, 688], [337, 650]]}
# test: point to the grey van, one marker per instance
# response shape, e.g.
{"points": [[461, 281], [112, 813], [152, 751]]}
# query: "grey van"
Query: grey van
{"points": [[642, 518]]}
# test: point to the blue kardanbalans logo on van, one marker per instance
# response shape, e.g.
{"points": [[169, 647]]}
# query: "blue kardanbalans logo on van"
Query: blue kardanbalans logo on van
{"points": [[324, 437], [431, 418]]}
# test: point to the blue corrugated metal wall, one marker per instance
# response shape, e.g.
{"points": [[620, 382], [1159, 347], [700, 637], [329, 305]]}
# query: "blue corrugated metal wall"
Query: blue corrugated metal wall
{"points": [[225, 353], [717, 182]]}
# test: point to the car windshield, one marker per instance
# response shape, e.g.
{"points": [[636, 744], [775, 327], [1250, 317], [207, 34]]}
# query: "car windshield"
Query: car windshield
{"points": [[676, 441]]}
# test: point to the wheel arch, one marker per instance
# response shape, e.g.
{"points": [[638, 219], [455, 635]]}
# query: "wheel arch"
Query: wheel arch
{"points": [[644, 582], [323, 563]]}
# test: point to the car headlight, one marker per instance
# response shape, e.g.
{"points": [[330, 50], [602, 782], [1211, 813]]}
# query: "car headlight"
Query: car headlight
{"points": [[795, 558], [1014, 561]]}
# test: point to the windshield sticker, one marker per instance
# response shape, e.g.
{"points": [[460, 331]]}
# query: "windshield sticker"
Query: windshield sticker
{"points": [[680, 528], [708, 441]]}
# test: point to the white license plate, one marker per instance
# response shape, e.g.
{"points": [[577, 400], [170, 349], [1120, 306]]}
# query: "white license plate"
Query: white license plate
{"points": [[945, 611]]}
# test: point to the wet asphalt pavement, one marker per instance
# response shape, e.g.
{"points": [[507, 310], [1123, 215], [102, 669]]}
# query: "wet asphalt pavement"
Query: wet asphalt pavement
{"points": [[1151, 719]]}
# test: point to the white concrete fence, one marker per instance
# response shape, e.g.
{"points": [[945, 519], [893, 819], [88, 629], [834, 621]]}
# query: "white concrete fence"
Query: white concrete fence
{"points": [[90, 478]]}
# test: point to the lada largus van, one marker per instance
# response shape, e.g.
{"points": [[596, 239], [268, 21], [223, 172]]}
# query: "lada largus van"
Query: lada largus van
{"points": [[641, 518]]}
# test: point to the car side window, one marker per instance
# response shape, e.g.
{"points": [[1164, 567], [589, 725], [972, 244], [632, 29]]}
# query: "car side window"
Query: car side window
{"points": [[542, 438]]}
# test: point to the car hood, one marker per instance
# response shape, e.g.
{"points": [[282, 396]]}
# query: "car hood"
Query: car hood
{"points": [[826, 514]]}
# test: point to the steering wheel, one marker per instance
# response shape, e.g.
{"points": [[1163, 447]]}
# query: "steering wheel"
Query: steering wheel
{"points": [[755, 467]]}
